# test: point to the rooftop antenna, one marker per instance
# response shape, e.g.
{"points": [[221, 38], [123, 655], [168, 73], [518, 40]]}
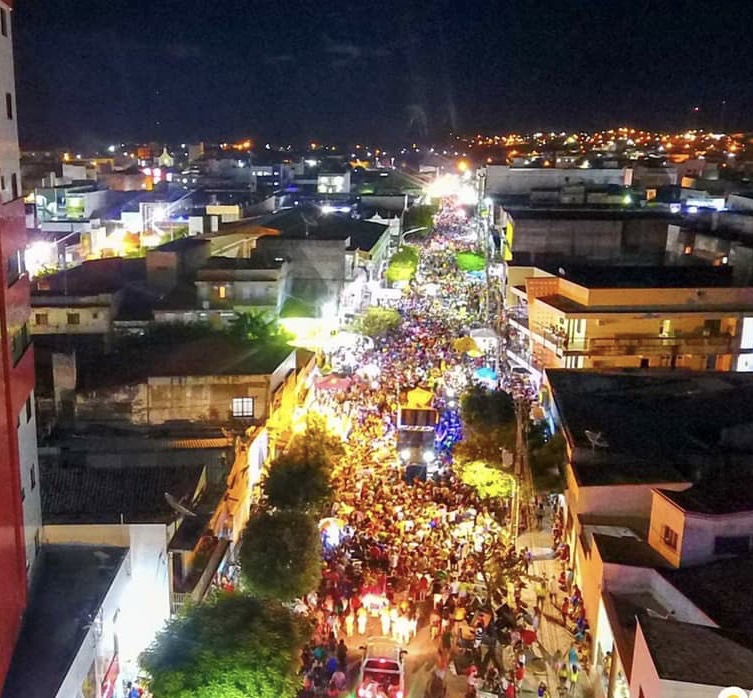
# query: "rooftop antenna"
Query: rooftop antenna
{"points": [[596, 440], [177, 506]]}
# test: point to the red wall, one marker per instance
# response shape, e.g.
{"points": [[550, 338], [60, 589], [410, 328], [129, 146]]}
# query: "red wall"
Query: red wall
{"points": [[16, 383]]}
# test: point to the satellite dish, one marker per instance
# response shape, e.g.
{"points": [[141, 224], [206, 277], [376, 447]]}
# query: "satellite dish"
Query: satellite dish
{"points": [[177, 506], [596, 440]]}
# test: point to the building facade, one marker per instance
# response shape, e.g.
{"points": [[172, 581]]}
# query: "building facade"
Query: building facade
{"points": [[573, 321], [20, 509]]}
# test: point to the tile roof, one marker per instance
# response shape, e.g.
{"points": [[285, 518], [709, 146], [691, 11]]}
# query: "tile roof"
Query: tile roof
{"points": [[112, 495]]}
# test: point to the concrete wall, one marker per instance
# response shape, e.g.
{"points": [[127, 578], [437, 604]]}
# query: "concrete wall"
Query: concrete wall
{"points": [[29, 468], [95, 314], [504, 180], [318, 266], [576, 238], [192, 398]]}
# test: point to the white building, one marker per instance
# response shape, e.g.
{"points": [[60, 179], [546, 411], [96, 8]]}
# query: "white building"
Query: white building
{"points": [[84, 625]]}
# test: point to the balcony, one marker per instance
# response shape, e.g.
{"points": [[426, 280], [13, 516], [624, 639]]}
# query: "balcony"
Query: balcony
{"points": [[518, 353], [648, 345], [518, 318]]}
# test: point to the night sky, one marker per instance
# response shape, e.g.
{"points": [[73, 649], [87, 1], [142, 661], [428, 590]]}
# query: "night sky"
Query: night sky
{"points": [[90, 72]]}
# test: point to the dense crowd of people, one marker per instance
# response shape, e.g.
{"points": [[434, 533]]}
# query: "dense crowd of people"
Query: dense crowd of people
{"points": [[399, 555]]}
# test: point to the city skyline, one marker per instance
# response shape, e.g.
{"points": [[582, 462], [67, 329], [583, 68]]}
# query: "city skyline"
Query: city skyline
{"points": [[95, 72]]}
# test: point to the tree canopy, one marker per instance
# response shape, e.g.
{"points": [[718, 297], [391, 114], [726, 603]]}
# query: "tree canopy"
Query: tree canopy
{"points": [[281, 554], [403, 264], [470, 261], [297, 483], [487, 480], [254, 326], [377, 322], [489, 426], [231, 646], [482, 408]]}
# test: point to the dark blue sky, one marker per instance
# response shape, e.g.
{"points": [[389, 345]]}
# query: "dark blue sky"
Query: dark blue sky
{"points": [[93, 71]]}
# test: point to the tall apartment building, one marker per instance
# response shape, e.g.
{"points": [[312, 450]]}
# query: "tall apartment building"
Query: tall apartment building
{"points": [[20, 508]]}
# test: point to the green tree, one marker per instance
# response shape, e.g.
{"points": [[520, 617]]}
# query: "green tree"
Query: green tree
{"points": [[377, 322], [231, 646], [488, 481], [296, 483], [499, 571], [255, 327], [481, 408], [403, 264], [420, 217], [470, 261], [546, 457], [281, 554], [489, 425]]}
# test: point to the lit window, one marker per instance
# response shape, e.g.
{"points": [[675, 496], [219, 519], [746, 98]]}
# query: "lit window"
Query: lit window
{"points": [[669, 537], [243, 407], [9, 105], [688, 249], [222, 291]]}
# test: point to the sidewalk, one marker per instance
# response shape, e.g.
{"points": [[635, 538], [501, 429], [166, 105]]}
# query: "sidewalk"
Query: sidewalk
{"points": [[554, 637]]}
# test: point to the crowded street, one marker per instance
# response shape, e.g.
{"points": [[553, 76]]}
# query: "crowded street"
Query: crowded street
{"points": [[404, 558]]}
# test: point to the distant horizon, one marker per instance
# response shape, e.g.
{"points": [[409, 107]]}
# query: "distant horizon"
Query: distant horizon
{"points": [[259, 143], [90, 72]]}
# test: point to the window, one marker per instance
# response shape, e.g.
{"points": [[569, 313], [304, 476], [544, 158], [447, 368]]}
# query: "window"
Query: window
{"points": [[37, 542], [33, 475], [731, 545], [2, 182], [28, 409], [9, 105], [14, 185], [243, 407], [15, 266], [41, 319], [4, 22], [222, 292], [669, 537], [18, 343], [74, 318], [23, 494]]}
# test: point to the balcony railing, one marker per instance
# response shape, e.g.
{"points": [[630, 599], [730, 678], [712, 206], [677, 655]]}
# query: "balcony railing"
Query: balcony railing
{"points": [[641, 344]]}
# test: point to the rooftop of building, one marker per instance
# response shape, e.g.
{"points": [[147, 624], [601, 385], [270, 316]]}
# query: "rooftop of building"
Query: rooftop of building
{"points": [[569, 306], [310, 223], [597, 277], [715, 496], [689, 653], [168, 352], [98, 276], [257, 260], [114, 494], [622, 609], [623, 545], [69, 585], [183, 244], [522, 211], [653, 426], [720, 589]]}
